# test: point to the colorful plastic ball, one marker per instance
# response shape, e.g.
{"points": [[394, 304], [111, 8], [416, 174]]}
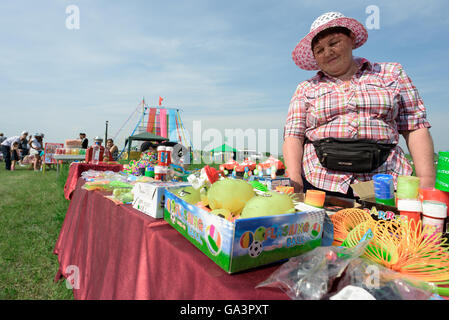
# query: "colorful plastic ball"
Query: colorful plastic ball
{"points": [[246, 239], [259, 234], [256, 172]]}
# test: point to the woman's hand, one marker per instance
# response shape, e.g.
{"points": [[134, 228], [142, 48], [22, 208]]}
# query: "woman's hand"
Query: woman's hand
{"points": [[293, 151]]}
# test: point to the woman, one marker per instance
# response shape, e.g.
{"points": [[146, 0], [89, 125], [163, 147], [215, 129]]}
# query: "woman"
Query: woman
{"points": [[14, 155], [355, 99], [36, 148], [113, 149]]}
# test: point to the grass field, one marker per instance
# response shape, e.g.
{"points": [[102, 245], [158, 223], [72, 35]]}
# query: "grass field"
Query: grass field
{"points": [[32, 210]]}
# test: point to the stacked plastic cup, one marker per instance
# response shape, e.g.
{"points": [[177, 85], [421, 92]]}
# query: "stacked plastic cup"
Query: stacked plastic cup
{"points": [[408, 187], [442, 176], [384, 189], [315, 198]]}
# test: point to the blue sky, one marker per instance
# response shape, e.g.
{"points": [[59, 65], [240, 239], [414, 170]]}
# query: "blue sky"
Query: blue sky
{"points": [[226, 63]]}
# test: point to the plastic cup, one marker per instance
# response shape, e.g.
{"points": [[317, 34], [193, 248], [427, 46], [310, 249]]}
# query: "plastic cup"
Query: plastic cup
{"points": [[383, 186], [434, 194], [408, 187], [315, 198], [442, 174]]}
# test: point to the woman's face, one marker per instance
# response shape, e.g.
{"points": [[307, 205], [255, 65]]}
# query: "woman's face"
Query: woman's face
{"points": [[333, 54], [109, 143]]}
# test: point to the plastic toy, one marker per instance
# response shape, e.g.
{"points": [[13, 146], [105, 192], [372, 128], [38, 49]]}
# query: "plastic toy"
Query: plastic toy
{"points": [[188, 194], [404, 247], [259, 186], [345, 220], [205, 177], [231, 194], [270, 203]]}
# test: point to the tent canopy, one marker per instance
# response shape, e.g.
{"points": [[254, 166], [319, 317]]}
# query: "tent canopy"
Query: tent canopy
{"points": [[144, 136], [224, 148]]}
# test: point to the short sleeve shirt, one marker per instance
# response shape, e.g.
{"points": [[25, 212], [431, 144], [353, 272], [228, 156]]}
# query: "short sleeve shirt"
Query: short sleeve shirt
{"points": [[378, 103]]}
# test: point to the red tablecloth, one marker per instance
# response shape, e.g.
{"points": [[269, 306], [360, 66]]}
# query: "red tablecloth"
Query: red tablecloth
{"points": [[77, 168], [118, 252]]}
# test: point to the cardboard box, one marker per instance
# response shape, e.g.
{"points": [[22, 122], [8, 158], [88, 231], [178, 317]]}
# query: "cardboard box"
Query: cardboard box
{"points": [[247, 243], [271, 183], [149, 197]]}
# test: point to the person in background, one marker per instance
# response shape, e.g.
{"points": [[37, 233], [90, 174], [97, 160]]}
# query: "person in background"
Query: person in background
{"points": [[147, 145], [14, 155], [84, 141], [6, 147], [113, 149], [352, 98], [2, 138], [35, 150], [24, 149]]}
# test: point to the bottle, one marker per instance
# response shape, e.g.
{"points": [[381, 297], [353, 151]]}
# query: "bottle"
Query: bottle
{"points": [[158, 173], [161, 156], [169, 151], [96, 153], [434, 213]]}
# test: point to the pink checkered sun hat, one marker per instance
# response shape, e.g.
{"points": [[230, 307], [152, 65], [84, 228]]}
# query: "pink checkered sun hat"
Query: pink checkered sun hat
{"points": [[302, 54]]}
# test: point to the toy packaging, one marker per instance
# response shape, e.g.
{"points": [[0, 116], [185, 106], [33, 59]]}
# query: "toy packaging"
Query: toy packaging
{"points": [[245, 243], [148, 197]]}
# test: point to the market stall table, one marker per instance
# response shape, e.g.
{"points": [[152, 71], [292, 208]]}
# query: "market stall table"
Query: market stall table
{"points": [[61, 158], [112, 251], [77, 168]]}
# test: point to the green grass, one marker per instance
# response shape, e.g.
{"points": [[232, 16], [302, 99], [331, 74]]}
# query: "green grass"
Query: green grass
{"points": [[32, 210]]}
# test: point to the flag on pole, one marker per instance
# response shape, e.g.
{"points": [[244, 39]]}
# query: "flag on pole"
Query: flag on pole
{"points": [[160, 101], [151, 120], [163, 122]]}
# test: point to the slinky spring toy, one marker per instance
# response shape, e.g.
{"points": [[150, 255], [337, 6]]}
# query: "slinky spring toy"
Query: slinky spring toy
{"points": [[345, 220], [403, 247]]}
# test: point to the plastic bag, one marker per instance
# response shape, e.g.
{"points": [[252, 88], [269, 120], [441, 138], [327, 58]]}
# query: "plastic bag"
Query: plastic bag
{"points": [[383, 283], [325, 271], [310, 276]]}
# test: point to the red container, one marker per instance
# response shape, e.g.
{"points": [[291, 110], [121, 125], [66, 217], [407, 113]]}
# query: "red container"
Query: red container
{"points": [[434, 194], [411, 209], [89, 153]]}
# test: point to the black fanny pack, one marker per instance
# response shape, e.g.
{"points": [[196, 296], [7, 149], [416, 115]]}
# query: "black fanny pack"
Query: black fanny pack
{"points": [[351, 155]]}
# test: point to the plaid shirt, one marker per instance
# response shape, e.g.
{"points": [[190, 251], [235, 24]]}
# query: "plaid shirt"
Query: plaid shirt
{"points": [[378, 103]]}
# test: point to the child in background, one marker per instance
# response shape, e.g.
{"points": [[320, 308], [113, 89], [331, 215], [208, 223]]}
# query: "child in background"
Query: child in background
{"points": [[14, 155]]}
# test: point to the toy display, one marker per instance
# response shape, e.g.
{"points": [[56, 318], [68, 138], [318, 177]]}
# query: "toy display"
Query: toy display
{"points": [[244, 215]]}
